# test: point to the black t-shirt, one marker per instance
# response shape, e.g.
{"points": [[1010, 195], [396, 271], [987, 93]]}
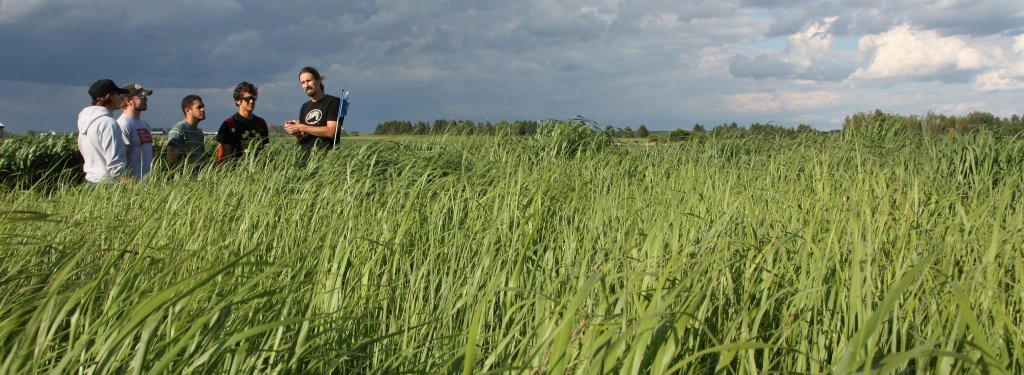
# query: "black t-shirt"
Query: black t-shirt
{"points": [[245, 136], [318, 113]]}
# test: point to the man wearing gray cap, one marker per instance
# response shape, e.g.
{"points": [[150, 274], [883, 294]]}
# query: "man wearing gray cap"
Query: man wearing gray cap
{"points": [[138, 139], [99, 136]]}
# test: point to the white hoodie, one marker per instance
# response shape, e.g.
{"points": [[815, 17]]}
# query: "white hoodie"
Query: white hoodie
{"points": [[99, 140]]}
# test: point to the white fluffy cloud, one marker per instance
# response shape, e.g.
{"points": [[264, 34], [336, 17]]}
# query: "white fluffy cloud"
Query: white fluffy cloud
{"points": [[906, 52], [1008, 76], [811, 45]]}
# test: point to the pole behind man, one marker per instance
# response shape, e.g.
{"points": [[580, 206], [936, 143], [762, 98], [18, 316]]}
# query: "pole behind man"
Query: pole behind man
{"points": [[243, 133], [99, 136], [185, 146], [138, 147], [318, 119]]}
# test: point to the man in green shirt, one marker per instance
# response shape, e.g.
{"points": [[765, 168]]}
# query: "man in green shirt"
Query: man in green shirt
{"points": [[185, 140]]}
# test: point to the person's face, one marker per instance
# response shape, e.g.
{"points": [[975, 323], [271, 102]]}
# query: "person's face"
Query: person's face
{"points": [[114, 101], [309, 84], [140, 101], [197, 111], [247, 101]]}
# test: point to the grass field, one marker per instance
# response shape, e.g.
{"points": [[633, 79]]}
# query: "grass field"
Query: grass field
{"points": [[559, 253]]}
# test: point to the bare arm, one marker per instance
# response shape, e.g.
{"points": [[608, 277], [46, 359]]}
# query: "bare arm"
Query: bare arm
{"points": [[291, 127], [326, 131]]}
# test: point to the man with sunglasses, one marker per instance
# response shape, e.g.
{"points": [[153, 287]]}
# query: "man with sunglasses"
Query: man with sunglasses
{"points": [[138, 139], [243, 133]]}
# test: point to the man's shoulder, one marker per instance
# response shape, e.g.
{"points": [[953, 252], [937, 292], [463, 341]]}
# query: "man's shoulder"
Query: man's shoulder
{"points": [[230, 120], [124, 120], [259, 122], [238, 118], [331, 99], [180, 126], [327, 99]]}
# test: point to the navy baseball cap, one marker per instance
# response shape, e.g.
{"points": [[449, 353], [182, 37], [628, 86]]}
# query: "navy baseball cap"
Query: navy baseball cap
{"points": [[103, 87]]}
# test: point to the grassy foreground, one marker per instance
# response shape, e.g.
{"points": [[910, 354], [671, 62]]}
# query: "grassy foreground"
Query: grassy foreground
{"points": [[543, 255]]}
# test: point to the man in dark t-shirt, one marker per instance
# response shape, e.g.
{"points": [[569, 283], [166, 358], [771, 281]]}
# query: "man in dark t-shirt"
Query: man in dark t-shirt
{"points": [[317, 126], [243, 133]]}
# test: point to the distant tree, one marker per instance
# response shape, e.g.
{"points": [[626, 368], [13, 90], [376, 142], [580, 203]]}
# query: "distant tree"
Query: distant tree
{"points": [[627, 132], [503, 127], [610, 130], [642, 131], [405, 127], [534, 125], [467, 127], [516, 128], [32, 133], [528, 128], [724, 129], [420, 128], [438, 127], [678, 135], [485, 128], [698, 128]]}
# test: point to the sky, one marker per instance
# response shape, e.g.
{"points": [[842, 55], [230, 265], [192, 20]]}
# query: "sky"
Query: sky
{"points": [[665, 64]]}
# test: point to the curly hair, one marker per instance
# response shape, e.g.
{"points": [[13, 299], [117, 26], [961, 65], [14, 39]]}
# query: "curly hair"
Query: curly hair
{"points": [[244, 87]]}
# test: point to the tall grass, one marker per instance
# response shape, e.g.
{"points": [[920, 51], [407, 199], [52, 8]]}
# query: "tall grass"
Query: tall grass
{"points": [[551, 254]]}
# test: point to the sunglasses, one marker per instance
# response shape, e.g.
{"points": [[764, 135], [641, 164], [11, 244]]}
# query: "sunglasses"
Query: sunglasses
{"points": [[248, 98]]}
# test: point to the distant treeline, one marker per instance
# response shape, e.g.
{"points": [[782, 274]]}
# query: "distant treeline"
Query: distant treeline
{"points": [[456, 127], [933, 124], [468, 127], [874, 122]]}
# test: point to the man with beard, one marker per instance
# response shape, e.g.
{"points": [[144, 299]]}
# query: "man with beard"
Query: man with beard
{"points": [[317, 125], [138, 139]]}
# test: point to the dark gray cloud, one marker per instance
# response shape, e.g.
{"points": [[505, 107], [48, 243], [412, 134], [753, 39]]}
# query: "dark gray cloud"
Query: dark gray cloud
{"points": [[968, 17], [659, 62], [760, 67], [774, 66]]}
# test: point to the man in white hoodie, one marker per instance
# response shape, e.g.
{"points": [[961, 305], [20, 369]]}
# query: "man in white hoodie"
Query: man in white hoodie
{"points": [[99, 136]]}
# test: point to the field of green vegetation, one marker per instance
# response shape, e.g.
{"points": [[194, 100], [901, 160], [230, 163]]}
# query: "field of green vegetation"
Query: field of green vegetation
{"points": [[561, 252]]}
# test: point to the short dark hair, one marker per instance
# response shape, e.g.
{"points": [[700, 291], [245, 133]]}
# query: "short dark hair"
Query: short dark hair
{"points": [[186, 103], [243, 87], [316, 75]]}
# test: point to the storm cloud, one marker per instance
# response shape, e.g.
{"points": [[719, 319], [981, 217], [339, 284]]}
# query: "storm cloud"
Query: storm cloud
{"points": [[662, 63]]}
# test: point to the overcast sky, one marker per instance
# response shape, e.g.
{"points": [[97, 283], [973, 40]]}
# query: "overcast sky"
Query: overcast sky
{"points": [[664, 63]]}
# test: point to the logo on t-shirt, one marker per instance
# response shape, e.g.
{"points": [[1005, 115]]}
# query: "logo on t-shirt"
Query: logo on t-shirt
{"points": [[145, 137], [314, 116]]}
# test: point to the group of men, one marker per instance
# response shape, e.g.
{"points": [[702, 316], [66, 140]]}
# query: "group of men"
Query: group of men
{"points": [[122, 149]]}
